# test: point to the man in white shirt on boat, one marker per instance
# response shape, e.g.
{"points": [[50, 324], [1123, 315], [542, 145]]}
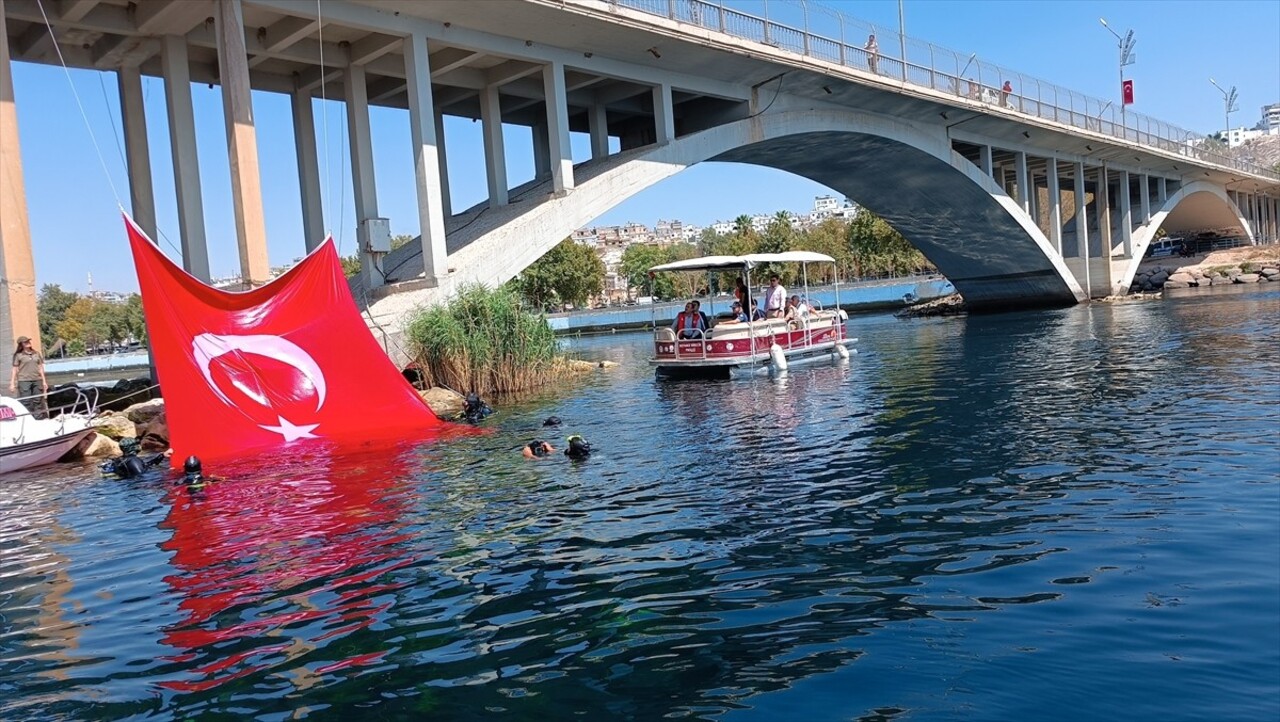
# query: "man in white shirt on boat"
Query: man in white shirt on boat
{"points": [[775, 298]]}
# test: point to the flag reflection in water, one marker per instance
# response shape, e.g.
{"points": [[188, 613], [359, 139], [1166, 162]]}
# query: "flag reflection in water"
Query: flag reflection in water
{"points": [[275, 562]]}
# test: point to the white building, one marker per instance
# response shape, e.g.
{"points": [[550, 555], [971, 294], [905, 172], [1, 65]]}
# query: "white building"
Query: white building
{"points": [[1270, 118]]}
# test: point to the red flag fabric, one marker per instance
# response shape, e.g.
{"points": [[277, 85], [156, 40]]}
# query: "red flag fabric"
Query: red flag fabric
{"points": [[285, 363]]}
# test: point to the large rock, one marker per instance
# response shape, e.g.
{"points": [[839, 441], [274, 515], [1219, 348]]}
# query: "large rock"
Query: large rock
{"points": [[1271, 273], [145, 411], [154, 436], [446, 403], [1176, 284], [1247, 278], [92, 446], [115, 426], [1159, 278], [1180, 277]]}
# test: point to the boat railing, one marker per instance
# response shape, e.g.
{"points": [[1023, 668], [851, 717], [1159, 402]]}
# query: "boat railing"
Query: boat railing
{"points": [[84, 404]]}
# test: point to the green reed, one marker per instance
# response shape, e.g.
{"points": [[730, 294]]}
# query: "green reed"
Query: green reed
{"points": [[484, 340]]}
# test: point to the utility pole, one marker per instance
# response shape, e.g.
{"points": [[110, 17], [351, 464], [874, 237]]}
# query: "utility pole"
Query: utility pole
{"points": [[1229, 102], [902, 40], [1126, 58]]}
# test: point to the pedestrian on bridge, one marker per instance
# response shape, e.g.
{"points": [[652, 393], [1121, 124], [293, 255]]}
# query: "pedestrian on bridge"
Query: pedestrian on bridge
{"points": [[873, 52]]}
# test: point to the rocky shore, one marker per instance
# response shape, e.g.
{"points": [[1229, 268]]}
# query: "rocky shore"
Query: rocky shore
{"points": [[1252, 264]]}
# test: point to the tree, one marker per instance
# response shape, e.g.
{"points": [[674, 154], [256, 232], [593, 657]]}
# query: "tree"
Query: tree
{"points": [[569, 273], [877, 248], [52, 307], [76, 325]]}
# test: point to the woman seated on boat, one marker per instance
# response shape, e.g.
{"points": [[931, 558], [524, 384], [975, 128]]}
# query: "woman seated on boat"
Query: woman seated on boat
{"points": [[756, 313], [797, 312], [689, 323]]}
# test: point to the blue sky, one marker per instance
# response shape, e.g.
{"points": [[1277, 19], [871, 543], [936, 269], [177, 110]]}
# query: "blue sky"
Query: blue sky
{"points": [[74, 219]]}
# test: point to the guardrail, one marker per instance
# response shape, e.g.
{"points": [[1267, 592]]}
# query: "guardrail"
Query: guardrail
{"points": [[922, 64]]}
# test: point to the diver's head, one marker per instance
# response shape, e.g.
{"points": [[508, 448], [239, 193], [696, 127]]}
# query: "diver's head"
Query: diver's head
{"points": [[578, 447], [192, 466], [473, 401], [552, 421], [539, 448], [128, 446]]}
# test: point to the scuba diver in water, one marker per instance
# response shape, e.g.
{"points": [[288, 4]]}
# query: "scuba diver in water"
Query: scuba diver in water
{"points": [[129, 465], [578, 449], [193, 474], [474, 409], [537, 449]]}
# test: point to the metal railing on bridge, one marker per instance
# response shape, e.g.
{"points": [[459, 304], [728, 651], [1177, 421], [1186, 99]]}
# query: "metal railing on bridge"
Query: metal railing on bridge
{"points": [[927, 65]]}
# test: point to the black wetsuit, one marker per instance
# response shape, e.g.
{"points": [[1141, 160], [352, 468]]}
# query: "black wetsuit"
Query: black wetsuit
{"points": [[130, 465]]}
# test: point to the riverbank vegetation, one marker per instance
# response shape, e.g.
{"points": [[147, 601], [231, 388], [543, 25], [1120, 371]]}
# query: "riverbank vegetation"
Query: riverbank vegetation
{"points": [[73, 324], [485, 340]]}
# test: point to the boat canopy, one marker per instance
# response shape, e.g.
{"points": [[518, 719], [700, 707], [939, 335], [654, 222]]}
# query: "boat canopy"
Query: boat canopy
{"points": [[748, 261]]}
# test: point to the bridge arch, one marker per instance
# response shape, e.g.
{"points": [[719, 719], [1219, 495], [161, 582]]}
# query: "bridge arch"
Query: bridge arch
{"points": [[1195, 206], [979, 237]]}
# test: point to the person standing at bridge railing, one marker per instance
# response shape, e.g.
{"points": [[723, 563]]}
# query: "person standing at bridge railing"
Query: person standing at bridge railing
{"points": [[873, 52]]}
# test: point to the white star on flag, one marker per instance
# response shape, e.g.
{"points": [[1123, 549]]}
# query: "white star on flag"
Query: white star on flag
{"points": [[292, 432]]}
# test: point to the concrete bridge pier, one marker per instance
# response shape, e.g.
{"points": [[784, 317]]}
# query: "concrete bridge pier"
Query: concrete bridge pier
{"points": [[17, 268]]}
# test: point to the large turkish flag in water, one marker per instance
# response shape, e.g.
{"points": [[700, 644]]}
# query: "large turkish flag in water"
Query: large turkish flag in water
{"points": [[285, 363]]}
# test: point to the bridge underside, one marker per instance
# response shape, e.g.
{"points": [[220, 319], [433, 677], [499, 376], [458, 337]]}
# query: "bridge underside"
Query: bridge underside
{"points": [[972, 240]]}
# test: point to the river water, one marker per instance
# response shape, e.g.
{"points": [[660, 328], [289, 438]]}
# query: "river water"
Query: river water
{"points": [[1051, 515]]}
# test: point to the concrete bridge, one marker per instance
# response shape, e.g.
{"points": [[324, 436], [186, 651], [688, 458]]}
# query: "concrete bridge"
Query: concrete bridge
{"points": [[1032, 196]]}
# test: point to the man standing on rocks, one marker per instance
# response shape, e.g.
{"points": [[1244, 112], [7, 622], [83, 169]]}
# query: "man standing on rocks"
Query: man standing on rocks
{"points": [[27, 378]]}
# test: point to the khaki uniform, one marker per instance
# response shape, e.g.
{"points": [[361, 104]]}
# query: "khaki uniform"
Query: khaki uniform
{"points": [[30, 382]]}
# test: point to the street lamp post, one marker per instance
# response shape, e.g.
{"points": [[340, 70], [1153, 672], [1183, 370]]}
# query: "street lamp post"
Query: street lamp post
{"points": [[1229, 102], [1127, 57]]}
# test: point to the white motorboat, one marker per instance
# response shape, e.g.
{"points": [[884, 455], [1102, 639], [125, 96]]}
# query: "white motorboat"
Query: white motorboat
{"points": [[26, 441], [764, 345]]}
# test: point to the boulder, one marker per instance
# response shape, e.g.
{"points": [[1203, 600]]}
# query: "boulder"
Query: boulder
{"points": [[154, 435], [1247, 278], [145, 411], [1159, 277], [115, 426], [1176, 284], [92, 446], [1271, 273], [1186, 279], [446, 403]]}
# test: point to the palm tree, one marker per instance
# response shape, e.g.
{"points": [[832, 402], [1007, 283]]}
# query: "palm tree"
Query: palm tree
{"points": [[742, 224]]}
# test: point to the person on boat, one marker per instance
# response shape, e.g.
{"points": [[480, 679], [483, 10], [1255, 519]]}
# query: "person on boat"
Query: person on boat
{"points": [[27, 379], [474, 409], [537, 449], [756, 313], [797, 310], [739, 316], [697, 308], [578, 448], [775, 298], [129, 465], [688, 323], [740, 291]]}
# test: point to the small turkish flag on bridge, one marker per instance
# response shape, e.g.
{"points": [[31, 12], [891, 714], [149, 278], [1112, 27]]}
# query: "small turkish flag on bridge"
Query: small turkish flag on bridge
{"points": [[1126, 92]]}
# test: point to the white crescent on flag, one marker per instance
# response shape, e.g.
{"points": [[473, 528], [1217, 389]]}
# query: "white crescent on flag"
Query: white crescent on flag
{"points": [[208, 346]]}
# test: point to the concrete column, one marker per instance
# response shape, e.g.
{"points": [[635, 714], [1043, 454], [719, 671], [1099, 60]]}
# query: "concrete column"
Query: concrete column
{"points": [[446, 200], [558, 126], [541, 152], [1126, 215], [598, 125], [242, 145], [1102, 207], [985, 160], [142, 198], [1145, 197], [664, 119], [1162, 190], [362, 178], [1033, 197], [1055, 205], [186, 166], [495, 155], [426, 158], [1082, 224], [304, 138], [1020, 179], [17, 268]]}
